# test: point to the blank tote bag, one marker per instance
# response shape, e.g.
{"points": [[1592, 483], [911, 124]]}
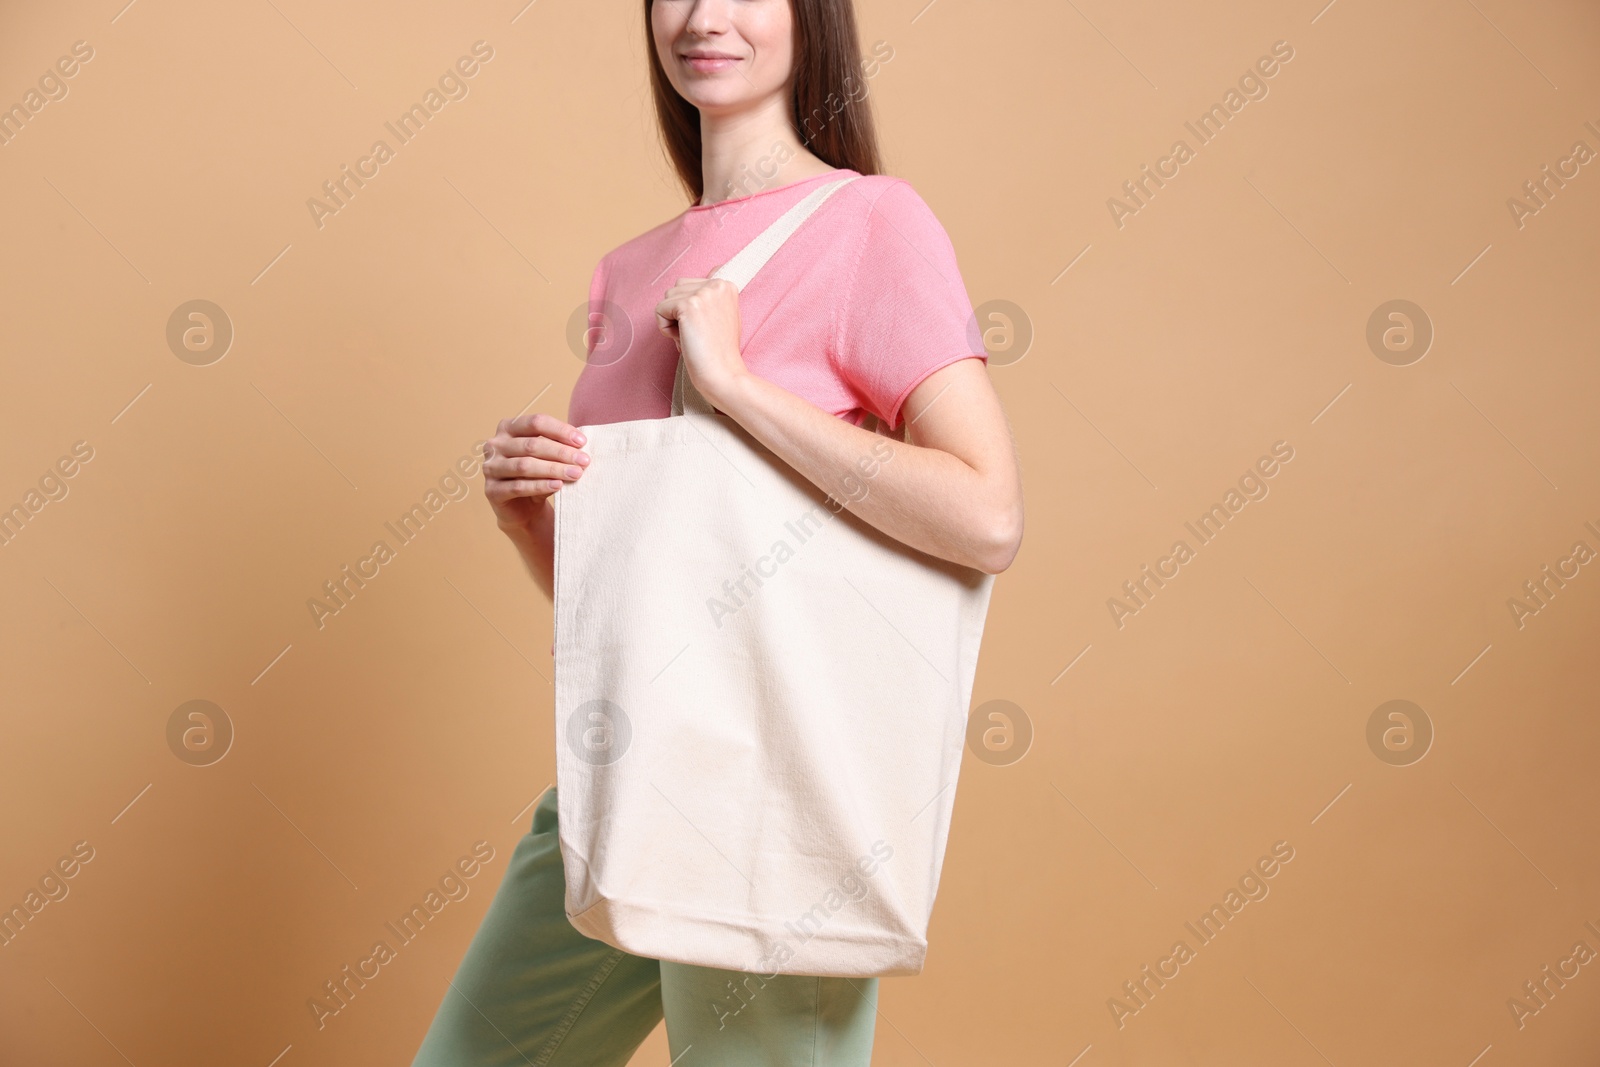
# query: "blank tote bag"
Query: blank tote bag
{"points": [[760, 699]]}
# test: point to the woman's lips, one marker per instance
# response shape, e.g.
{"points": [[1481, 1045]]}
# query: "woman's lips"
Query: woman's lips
{"points": [[710, 64]]}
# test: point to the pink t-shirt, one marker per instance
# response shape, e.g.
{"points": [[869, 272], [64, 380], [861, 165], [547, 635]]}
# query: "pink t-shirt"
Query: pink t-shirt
{"points": [[861, 304]]}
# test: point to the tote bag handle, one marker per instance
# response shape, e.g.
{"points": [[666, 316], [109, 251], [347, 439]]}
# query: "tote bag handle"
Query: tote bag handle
{"points": [[742, 268]]}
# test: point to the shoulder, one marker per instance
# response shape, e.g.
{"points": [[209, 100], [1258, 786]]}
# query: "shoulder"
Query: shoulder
{"points": [[894, 220], [885, 198], [898, 236]]}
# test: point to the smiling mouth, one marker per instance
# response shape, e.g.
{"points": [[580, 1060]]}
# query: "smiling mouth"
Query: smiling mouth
{"points": [[708, 63]]}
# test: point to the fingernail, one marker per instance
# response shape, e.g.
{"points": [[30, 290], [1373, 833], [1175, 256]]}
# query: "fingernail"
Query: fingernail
{"points": [[583, 457], [573, 472], [578, 437]]}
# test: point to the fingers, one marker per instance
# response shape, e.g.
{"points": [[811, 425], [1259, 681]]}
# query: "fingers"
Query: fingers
{"points": [[514, 468], [690, 294], [539, 424], [503, 490], [541, 447], [668, 327], [686, 286], [532, 455]]}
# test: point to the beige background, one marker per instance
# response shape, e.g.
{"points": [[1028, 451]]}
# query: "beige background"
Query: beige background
{"points": [[1231, 713]]}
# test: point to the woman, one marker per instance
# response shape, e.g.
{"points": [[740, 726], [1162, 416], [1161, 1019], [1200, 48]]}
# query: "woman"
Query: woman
{"points": [[873, 325]]}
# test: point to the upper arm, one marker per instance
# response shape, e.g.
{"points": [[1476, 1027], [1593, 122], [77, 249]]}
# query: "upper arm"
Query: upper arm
{"points": [[905, 313], [909, 346], [956, 410]]}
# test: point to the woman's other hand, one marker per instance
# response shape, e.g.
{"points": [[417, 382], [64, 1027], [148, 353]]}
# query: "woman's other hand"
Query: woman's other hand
{"points": [[527, 461]]}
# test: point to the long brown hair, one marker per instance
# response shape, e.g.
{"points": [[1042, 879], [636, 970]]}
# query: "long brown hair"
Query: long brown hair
{"points": [[829, 108]]}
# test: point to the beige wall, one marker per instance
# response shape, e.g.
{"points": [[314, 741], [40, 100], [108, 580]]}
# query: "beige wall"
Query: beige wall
{"points": [[1169, 754]]}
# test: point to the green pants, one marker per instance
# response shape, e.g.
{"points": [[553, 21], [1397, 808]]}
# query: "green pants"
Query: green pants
{"points": [[533, 992]]}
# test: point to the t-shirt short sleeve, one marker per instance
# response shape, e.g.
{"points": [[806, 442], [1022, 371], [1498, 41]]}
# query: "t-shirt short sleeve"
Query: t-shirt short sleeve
{"points": [[906, 312]]}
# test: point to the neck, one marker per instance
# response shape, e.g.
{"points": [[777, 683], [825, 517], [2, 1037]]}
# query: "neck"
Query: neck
{"points": [[747, 151]]}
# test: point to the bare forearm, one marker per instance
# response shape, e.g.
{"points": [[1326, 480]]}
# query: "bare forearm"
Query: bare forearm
{"points": [[925, 497]]}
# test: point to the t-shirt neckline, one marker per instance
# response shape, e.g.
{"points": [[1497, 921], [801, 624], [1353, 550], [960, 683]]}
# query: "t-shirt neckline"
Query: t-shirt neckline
{"points": [[767, 192]]}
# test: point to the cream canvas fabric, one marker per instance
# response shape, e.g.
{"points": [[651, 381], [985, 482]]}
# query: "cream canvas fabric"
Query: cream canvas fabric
{"points": [[760, 700]]}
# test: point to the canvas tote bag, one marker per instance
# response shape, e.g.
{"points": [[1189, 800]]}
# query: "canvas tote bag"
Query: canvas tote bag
{"points": [[760, 700]]}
